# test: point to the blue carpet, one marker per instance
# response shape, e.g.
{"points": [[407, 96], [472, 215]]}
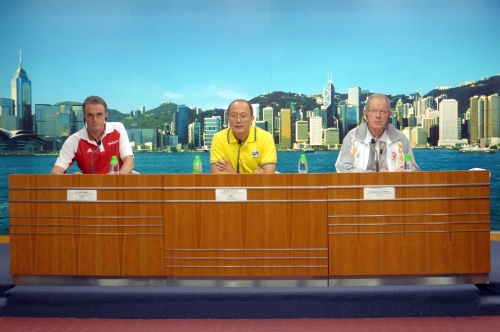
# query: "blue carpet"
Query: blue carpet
{"points": [[281, 302]]}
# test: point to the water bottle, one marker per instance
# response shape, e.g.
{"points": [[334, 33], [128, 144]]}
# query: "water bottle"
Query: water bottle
{"points": [[197, 166], [303, 167], [114, 167], [408, 164]]}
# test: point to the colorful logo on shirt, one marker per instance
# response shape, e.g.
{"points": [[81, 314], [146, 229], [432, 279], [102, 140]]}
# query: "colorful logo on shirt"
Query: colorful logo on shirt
{"points": [[393, 155], [255, 154]]}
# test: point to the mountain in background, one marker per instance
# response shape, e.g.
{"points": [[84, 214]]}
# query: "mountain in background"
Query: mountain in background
{"points": [[164, 114]]}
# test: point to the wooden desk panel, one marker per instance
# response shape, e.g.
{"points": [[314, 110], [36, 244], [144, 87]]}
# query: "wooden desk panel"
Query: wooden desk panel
{"points": [[121, 234], [437, 224], [279, 231], [292, 225]]}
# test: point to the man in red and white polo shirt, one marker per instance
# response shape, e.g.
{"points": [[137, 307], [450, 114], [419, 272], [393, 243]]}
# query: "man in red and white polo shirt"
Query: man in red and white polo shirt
{"points": [[93, 146]]}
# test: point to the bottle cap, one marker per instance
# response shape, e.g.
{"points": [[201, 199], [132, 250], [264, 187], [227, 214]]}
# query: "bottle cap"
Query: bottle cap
{"points": [[303, 158], [197, 159], [407, 157], [114, 160]]}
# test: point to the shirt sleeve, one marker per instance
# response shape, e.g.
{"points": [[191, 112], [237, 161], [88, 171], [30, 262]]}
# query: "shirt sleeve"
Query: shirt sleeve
{"points": [[268, 150], [67, 153], [125, 147], [216, 149]]}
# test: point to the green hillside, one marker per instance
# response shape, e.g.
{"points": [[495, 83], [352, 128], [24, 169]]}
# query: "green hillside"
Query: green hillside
{"points": [[164, 113]]}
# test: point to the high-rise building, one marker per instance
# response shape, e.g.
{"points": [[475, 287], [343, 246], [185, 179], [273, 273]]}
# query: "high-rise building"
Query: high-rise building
{"points": [[301, 131], [329, 104], [53, 121], [494, 115], [482, 117], [342, 112], [286, 128], [7, 116], [399, 114], [181, 123], [315, 131], [256, 111], [268, 116], [332, 139], [21, 94], [353, 98], [473, 131], [194, 130], [448, 120], [211, 127], [482, 105], [418, 136]]}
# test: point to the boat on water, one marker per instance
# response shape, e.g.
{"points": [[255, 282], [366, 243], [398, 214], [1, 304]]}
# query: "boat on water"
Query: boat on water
{"points": [[476, 149], [308, 149], [204, 148]]}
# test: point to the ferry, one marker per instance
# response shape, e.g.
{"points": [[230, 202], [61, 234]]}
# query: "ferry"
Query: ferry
{"points": [[308, 149], [476, 149]]}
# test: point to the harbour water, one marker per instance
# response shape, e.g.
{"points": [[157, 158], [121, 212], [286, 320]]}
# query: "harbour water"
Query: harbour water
{"points": [[319, 162]]}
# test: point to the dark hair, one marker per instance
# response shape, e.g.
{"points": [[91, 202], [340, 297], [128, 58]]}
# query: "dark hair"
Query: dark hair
{"points": [[94, 100], [243, 101]]}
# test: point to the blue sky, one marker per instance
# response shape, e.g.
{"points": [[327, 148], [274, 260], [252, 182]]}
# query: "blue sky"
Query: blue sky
{"points": [[203, 53]]}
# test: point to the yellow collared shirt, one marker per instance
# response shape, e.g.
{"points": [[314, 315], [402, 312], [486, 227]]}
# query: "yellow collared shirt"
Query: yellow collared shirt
{"points": [[257, 150]]}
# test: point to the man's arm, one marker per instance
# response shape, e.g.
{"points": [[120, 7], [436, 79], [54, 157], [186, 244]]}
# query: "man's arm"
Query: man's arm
{"points": [[267, 169], [128, 165], [57, 170], [222, 166]]}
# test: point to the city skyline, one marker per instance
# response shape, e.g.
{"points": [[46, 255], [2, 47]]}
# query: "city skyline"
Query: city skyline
{"points": [[205, 54]]}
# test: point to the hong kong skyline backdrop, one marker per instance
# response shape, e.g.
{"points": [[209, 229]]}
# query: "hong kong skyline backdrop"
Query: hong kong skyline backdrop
{"points": [[199, 53]]}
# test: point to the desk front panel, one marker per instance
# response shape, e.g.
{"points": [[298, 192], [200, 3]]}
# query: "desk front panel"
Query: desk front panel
{"points": [[438, 223], [280, 230], [120, 234]]}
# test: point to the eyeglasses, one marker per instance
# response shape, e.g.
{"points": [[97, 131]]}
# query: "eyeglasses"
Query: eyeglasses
{"points": [[378, 112], [235, 117], [91, 116]]}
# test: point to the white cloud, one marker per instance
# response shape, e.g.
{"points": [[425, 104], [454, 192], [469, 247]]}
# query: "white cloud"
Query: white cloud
{"points": [[173, 95]]}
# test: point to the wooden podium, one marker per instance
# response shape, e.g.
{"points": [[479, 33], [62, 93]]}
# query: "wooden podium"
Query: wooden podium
{"points": [[276, 226]]}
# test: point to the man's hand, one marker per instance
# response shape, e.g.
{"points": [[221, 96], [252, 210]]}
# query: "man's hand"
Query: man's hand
{"points": [[224, 166]]}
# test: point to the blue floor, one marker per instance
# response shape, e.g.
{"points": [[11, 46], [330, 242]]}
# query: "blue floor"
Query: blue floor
{"points": [[234, 302]]}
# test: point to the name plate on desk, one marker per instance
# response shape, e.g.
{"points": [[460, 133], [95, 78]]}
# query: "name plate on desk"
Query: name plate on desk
{"points": [[231, 194], [380, 193], [81, 195]]}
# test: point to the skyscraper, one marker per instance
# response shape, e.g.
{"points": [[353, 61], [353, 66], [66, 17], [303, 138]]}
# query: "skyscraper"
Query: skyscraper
{"points": [[315, 131], [301, 131], [21, 94], [268, 116], [494, 115], [212, 126], [448, 120], [329, 104], [353, 98], [256, 111], [181, 123], [473, 132], [286, 128]]}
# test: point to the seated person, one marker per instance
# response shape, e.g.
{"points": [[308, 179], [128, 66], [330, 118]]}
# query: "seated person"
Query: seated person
{"points": [[93, 146], [375, 145], [242, 148]]}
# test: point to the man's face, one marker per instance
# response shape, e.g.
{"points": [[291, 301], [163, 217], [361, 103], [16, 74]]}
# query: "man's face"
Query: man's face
{"points": [[95, 117], [240, 119], [378, 113]]}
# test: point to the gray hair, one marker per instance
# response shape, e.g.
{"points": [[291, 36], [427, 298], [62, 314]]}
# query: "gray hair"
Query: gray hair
{"points": [[375, 95]]}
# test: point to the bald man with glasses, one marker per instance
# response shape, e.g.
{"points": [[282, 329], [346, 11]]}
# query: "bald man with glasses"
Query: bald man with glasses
{"points": [[242, 148], [375, 145]]}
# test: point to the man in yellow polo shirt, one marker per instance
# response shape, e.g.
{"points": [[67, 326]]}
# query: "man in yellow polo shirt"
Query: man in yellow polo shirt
{"points": [[242, 148]]}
